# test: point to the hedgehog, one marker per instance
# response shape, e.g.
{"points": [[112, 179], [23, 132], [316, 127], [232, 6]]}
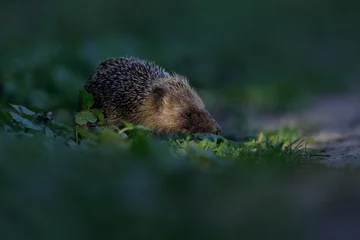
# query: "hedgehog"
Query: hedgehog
{"points": [[142, 93]]}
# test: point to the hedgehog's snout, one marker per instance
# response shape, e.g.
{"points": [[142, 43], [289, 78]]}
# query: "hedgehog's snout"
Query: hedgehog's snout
{"points": [[215, 126]]}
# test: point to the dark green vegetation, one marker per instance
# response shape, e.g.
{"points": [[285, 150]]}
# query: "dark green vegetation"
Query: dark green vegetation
{"points": [[60, 181], [279, 148]]}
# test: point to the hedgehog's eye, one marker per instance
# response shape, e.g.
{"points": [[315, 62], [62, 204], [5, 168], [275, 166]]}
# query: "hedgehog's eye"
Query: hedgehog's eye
{"points": [[188, 114]]}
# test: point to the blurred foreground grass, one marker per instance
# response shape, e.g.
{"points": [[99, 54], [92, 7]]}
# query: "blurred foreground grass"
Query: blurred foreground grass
{"points": [[60, 182], [134, 185]]}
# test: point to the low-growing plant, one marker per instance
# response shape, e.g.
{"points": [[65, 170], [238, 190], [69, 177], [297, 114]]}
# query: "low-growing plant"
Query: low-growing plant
{"points": [[90, 130]]}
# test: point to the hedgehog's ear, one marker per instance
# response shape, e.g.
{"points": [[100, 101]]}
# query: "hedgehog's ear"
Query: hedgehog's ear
{"points": [[158, 95]]}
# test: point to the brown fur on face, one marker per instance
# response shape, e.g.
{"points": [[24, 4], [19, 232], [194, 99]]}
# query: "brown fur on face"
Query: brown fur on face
{"points": [[174, 107]]}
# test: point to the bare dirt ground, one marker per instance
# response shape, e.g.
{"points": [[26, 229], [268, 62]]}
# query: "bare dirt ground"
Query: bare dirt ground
{"points": [[330, 123]]}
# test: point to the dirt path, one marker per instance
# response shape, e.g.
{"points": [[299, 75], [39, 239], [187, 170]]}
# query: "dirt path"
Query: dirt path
{"points": [[333, 122]]}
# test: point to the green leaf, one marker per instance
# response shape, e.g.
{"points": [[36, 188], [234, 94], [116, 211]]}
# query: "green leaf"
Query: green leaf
{"points": [[22, 110], [87, 100], [79, 119], [99, 115], [84, 117], [128, 125], [25, 122], [48, 132]]}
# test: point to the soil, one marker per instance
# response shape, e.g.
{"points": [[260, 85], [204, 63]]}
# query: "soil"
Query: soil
{"points": [[330, 123]]}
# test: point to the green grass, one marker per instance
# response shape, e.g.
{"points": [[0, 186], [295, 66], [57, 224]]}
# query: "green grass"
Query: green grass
{"points": [[271, 148]]}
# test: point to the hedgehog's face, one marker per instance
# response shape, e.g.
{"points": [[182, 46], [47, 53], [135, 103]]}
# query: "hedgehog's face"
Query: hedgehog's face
{"points": [[185, 112], [195, 120]]}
